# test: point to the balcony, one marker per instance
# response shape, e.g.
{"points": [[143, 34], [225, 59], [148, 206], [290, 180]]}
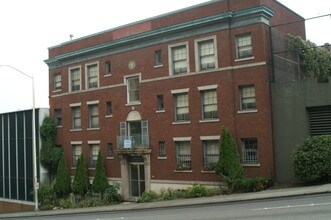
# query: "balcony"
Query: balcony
{"points": [[133, 144]]}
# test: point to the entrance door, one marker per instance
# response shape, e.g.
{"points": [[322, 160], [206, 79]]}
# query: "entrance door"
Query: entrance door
{"points": [[137, 179]]}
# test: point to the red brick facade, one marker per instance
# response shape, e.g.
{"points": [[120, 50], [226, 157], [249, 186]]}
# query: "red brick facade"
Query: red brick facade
{"points": [[140, 41]]}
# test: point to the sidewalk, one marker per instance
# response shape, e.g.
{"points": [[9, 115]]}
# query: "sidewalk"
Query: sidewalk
{"points": [[271, 193]]}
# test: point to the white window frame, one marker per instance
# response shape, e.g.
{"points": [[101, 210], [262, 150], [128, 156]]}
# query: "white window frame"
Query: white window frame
{"points": [[74, 106], [87, 77], [183, 164], [211, 165], [158, 58], [246, 109], [91, 105], [58, 117], [170, 57], [238, 48], [93, 156], [70, 69], [197, 44], [126, 78], [75, 156], [203, 89], [57, 79]]}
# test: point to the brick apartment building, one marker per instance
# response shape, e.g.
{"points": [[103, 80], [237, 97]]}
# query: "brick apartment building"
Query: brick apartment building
{"points": [[153, 95]]}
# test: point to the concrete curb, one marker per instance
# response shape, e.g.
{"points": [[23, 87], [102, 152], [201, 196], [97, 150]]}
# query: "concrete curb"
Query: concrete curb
{"points": [[267, 194]]}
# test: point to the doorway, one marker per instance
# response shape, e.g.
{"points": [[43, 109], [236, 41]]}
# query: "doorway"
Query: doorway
{"points": [[137, 179]]}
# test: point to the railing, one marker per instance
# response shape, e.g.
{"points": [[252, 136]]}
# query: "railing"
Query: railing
{"points": [[134, 141]]}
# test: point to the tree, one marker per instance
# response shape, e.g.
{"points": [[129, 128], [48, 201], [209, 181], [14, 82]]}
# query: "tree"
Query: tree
{"points": [[315, 62], [49, 153], [312, 160], [228, 165], [100, 182], [62, 185], [81, 183]]}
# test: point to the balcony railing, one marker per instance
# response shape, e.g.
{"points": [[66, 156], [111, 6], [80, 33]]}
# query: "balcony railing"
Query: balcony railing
{"points": [[134, 141]]}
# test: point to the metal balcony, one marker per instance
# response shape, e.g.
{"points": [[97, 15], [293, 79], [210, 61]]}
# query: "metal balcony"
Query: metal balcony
{"points": [[132, 142]]}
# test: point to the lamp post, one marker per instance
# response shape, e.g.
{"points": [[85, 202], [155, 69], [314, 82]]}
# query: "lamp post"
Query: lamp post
{"points": [[34, 143]]}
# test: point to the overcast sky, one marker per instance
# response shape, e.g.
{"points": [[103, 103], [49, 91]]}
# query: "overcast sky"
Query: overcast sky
{"points": [[29, 27]]}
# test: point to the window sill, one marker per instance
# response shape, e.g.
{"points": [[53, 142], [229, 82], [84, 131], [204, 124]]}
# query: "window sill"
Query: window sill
{"points": [[73, 168], [59, 126], [93, 129], [183, 171], [110, 158], [161, 158], [76, 129], [181, 122], [209, 120], [247, 111], [57, 91], [251, 165], [158, 66], [109, 116], [133, 103], [205, 171], [91, 168], [244, 59], [107, 75], [160, 111]]}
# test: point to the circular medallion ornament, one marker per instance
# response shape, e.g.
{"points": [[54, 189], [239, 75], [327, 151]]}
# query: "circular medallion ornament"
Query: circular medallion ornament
{"points": [[132, 65]]}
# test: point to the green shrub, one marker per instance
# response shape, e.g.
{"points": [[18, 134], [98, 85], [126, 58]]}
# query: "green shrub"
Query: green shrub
{"points": [[311, 161], [62, 185], [228, 165], [46, 196], [100, 182], [197, 190], [111, 194], [81, 183], [171, 194], [148, 196], [252, 184], [90, 202], [65, 203], [214, 191]]}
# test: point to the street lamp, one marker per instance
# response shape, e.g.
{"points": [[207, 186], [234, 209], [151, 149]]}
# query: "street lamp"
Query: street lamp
{"points": [[34, 143]]}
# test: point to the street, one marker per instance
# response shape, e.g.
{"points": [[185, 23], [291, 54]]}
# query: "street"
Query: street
{"points": [[300, 207]]}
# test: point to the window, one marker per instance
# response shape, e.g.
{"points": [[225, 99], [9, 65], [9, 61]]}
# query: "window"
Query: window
{"points": [[76, 152], [211, 152], [160, 103], [244, 46], [94, 151], [206, 54], [183, 155], [58, 116], [107, 67], [247, 96], [93, 113], [110, 150], [133, 89], [92, 76], [57, 82], [158, 58], [249, 151], [75, 79], [181, 107], [76, 117], [109, 108], [179, 59], [162, 150], [209, 104]]}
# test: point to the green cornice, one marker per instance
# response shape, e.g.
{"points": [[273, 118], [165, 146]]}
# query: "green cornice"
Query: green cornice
{"points": [[228, 19]]}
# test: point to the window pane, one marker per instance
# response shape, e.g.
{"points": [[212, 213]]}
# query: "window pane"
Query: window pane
{"points": [[75, 79], [183, 155], [109, 108], [94, 116], [162, 151], [158, 58], [92, 75], [206, 53], [76, 152], [57, 82], [211, 154], [76, 123], [133, 89], [182, 107], [209, 104], [179, 59], [94, 150], [244, 46], [250, 151], [248, 101]]}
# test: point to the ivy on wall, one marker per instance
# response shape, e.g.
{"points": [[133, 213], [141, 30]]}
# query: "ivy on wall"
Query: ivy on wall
{"points": [[314, 61]]}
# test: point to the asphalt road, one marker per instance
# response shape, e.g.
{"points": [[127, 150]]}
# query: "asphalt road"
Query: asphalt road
{"points": [[302, 207]]}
